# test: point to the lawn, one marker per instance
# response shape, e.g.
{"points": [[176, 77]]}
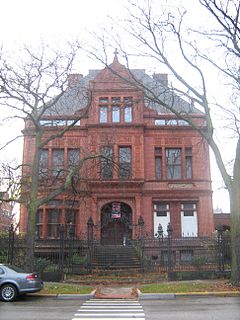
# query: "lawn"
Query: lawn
{"points": [[65, 288], [189, 286]]}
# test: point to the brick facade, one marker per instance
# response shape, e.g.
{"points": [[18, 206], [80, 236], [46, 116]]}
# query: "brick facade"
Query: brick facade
{"points": [[169, 161]]}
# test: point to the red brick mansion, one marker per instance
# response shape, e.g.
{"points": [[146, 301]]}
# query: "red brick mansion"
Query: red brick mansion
{"points": [[160, 171]]}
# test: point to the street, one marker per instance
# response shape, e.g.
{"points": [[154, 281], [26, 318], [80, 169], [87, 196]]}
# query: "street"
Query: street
{"points": [[190, 308]]}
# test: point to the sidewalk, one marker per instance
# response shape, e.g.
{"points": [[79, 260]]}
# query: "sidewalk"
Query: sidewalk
{"points": [[115, 292]]}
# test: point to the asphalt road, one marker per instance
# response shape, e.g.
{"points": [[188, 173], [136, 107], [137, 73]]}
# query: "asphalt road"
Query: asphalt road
{"points": [[190, 308], [193, 308]]}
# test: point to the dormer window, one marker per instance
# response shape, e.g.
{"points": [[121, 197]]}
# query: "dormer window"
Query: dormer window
{"points": [[103, 114], [115, 114], [128, 114], [115, 109]]}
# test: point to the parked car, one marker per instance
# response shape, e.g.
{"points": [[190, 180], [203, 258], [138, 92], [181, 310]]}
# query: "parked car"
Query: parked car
{"points": [[15, 281]]}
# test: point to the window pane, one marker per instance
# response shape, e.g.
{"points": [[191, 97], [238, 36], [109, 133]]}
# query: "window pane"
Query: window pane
{"points": [[73, 157], [58, 162], [115, 114], [158, 167], [53, 220], [128, 114], [125, 162], [189, 167], [103, 114], [173, 162], [107, 162], [171, 122], [160, 122], [43, 162], [116, 99], [103, 100]]}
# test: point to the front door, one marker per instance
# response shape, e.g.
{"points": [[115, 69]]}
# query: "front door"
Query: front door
{"points": [[116, 228]]}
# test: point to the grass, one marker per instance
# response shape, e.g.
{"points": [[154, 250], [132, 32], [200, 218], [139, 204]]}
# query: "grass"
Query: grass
{"points": [[65, 288], [188, 286]]}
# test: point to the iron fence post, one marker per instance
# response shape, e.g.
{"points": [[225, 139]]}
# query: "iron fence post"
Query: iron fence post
{"points": [[10, 244], [159, 235], [61, 249], [169, 248], [90, 226], [220, 248]]}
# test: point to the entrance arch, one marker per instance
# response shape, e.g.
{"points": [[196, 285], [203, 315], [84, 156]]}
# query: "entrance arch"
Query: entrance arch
{"points": [[116, 223]]}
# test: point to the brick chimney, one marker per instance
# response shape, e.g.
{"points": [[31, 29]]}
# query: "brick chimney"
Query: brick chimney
{"points": [[161, 77], [73, 79]]}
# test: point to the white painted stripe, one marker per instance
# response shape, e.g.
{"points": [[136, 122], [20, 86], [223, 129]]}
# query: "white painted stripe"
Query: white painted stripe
{"points": [[110, 318], [109, 314], [110, 307], [107, 310]]}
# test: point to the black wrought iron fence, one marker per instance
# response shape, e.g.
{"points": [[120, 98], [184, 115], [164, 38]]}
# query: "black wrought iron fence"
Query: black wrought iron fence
{"points": [[163, 254]]}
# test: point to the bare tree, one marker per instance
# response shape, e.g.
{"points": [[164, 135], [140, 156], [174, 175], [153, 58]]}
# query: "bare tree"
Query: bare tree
{"points": [[32, 83], [163, 36]]}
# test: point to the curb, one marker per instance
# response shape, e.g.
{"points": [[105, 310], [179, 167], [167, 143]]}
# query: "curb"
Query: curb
{"points": [[74, 296]]}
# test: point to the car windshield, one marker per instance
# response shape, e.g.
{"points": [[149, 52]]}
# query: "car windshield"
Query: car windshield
{"points": [[14, 268]]}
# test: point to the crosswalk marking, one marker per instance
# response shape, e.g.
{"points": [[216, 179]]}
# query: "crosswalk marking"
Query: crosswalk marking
{"points": [[109, 309]]}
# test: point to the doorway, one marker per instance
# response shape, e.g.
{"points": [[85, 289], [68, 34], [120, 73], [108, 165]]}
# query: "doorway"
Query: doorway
{"points": [[116, 223]]}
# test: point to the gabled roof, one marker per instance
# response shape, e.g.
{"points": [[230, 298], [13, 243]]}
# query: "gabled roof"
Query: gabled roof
{"points": [[76, 97]]}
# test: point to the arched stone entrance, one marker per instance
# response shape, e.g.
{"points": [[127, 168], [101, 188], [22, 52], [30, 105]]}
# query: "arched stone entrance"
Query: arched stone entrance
{"points": [[116, 223]]}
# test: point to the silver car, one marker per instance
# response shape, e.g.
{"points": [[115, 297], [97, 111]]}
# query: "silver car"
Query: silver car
{"points": [[15, 281]]}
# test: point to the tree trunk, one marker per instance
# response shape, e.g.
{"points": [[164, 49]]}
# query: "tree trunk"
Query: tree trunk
{"points": [[235, 233], [32, 207], [235, 219]]}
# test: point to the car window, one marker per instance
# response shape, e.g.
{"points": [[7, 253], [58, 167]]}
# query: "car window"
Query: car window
{"points": [[16, 269], [1, 271]]}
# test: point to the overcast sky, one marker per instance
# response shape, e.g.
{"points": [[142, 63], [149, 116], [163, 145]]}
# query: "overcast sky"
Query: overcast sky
{"points": [[55, 20]]}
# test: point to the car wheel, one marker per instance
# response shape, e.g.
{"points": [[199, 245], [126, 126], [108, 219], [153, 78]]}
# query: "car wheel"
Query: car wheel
{"points": [[8, 292]]}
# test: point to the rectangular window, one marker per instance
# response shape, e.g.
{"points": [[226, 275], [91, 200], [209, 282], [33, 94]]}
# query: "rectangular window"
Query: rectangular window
{"points": [[58, 162], [43, 163], [70, 221], [189, 223], [39, 223], [106, 162], [188, 161], [186, 256], [158, 163], [103, 114], [161, 209], [125, 162], [116, 100], [128, 114], [73, 157], [174, 163], [115, 114], [53, 223]]}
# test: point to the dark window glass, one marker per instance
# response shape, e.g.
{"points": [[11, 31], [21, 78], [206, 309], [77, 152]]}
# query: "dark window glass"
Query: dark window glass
{"points": [[188, 209], [39, 223], [53, 223], [73, 157], [116, 99], [174, 163], [43, 162], [125, 162], [189, 167], [161, 209], [186, 256], [58, 162], [106, 162], [158, 167], [70, 221]]}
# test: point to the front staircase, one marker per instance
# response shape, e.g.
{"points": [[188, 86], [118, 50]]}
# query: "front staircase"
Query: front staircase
{"points": [[115, 257]]}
